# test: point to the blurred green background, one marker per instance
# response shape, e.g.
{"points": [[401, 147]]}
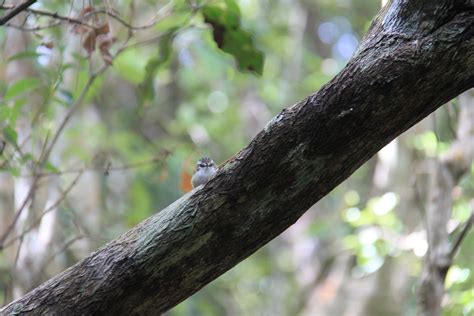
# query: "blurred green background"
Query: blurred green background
{"points": [[171, 96]]}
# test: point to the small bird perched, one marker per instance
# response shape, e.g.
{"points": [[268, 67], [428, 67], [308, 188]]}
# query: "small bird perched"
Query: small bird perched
{"points": [[205, 170]]}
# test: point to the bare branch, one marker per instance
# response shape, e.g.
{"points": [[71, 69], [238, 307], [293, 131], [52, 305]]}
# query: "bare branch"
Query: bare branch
{"points": [[19, 211], [82, 95], [59, 251], [154, 21], [71, 20], [33, 28], [48, 147], [49, 209], [157, 159]]}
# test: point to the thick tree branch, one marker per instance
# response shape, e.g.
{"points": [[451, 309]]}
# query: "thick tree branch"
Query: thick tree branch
{"points": [[14, 12], [405, 68]]}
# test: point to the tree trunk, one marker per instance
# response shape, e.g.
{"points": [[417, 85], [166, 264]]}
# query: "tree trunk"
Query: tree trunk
{"points": [[416, 56]]}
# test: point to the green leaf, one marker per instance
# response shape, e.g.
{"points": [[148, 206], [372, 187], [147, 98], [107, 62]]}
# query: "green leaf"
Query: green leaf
{"points": [[10, 134], [131, 66], [221, 15], [4, 112], [64, 97], [156, 63], [182, 13], [27, 158], [21, 86], [15, 110], [224, 18], [14, 171], [239, 44], [81, 80], [232, 6], [51, 168], [24, 55], [178, 19]]}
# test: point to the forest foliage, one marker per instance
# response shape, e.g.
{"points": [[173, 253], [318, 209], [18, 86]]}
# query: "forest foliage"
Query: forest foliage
{"points": [[104, 112]]}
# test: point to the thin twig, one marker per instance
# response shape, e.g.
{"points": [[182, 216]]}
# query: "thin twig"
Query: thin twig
{"points": [[34, 28], [71, 111], [47, 149], [128, 25], [17, 255], [18, 213], [64, 247], [462, 235], [49, 209], [29, 195], [145, 41], [16, 11], [109, 168], [79, 100], [59, 251], [55, 15]]}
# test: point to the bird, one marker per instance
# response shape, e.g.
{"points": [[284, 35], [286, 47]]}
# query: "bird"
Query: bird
{"points": [[205, 170]]}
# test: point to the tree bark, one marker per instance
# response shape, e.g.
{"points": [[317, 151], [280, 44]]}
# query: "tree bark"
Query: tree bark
{"points": [[416, 56]]}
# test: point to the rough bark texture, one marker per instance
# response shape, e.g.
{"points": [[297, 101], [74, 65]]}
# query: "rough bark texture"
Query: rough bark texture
{"points": [[417, 56]]}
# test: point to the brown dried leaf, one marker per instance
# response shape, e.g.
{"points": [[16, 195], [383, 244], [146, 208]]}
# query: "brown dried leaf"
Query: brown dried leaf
{"points": [[48, 44], [86, 11], [105, 42], [186, 185], [89, 42], [107, 57], [80, 29], [102, 29]]}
